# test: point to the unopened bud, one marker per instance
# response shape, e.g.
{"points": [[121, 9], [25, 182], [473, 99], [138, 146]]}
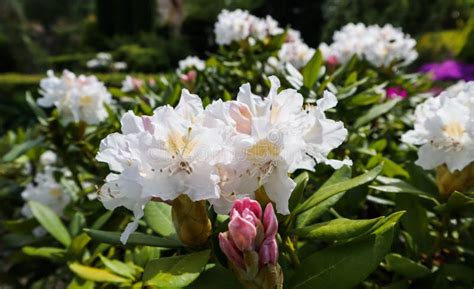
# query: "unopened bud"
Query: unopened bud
{"points": [[448, 182]]}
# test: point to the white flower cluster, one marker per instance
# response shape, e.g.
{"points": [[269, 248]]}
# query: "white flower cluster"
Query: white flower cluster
{"points": [[239, 25], [444, 128], [294, 51], [131, 83], [104, 60], [381, 46], [45, 189], [223, 152], [76, 97], [191, 62]]}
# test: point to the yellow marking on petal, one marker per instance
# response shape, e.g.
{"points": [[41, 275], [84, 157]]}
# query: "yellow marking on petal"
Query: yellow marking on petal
{"points": [[56, 192], [454, 129], [263, 148], [178, 144], [86, 100], [275, 113]]}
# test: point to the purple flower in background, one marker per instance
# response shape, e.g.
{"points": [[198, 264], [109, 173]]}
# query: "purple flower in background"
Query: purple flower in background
{"points": [[450, 70], [396, 92]]}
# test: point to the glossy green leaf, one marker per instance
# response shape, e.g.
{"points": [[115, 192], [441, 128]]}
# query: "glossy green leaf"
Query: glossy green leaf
{"points": [[77, 283], [375, 111], [345, 265], [20, 149], [120, 268], [134, 239], [177, 271], [95, 274], [312, 69], [50, 222], [337, 229], [45, 252], [158, 218], [405, 266], [329, 191], [343, 174], [391, 185], [208, 280], [297, 195]]}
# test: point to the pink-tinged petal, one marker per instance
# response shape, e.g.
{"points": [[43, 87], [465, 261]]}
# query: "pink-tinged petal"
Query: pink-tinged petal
{"points": [[148, 125], [247, 203], [270, 221], [230, 250], [242, 116], [332, 60], [250, 216], [242, 233], [268, 253]]}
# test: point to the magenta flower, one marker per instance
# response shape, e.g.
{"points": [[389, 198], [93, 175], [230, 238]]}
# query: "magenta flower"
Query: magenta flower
{"points": [[396, 92], [249, 233], [449, 70]]}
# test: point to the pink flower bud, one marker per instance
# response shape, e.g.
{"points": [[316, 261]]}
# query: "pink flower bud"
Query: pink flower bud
{"points": [[270, 222], [396, 92], [189, 77], [242, 232], [332, 60], [268, 253], [230, 250]]}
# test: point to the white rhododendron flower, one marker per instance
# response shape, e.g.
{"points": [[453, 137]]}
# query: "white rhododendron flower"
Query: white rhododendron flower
{"points": [[45, 189], [191, 62], [161, 156], [239, 25], [381, 46], [294, 51], [131, 84], [444, 128], [76, 97], [219, 154]]}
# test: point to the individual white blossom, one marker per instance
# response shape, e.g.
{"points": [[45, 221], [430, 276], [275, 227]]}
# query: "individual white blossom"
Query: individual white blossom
{"points": [[131, 84], [119, 65], [444, 129], [191, 62], [45, 189], [76, 97], [384, 46], [161, 156], [237, 25], [102, 59]]}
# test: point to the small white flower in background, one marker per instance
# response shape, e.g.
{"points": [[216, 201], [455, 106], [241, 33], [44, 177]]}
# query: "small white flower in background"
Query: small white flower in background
{"points": [[220, 153], [45, 189], [297, 53], [444, 128], [102, 59], [119, 65], [48, 158], [237, 25], [191, 62], [381, 46], [131, 84], [76, 97]]}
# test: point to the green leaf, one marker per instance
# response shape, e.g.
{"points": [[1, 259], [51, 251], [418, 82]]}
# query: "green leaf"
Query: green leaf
{"points": [[343, 174], [343, 266], [329, 191], [120, 268], [177, 271], [208, 280], [158, 218], [45, 252], [134, 239], [296, 196], [311, 70], [20, 149], [375, 111], [50, 222], [458, 203], [405, 266], [338, 229], [77, 283], [95, 274], [78, 245], [40, 115], [102, 220], [398, 186]]}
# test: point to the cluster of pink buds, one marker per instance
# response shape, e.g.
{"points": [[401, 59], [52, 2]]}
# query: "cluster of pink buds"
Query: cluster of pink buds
{"points": [[250, 242], [189, 77], [396, 92]]}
